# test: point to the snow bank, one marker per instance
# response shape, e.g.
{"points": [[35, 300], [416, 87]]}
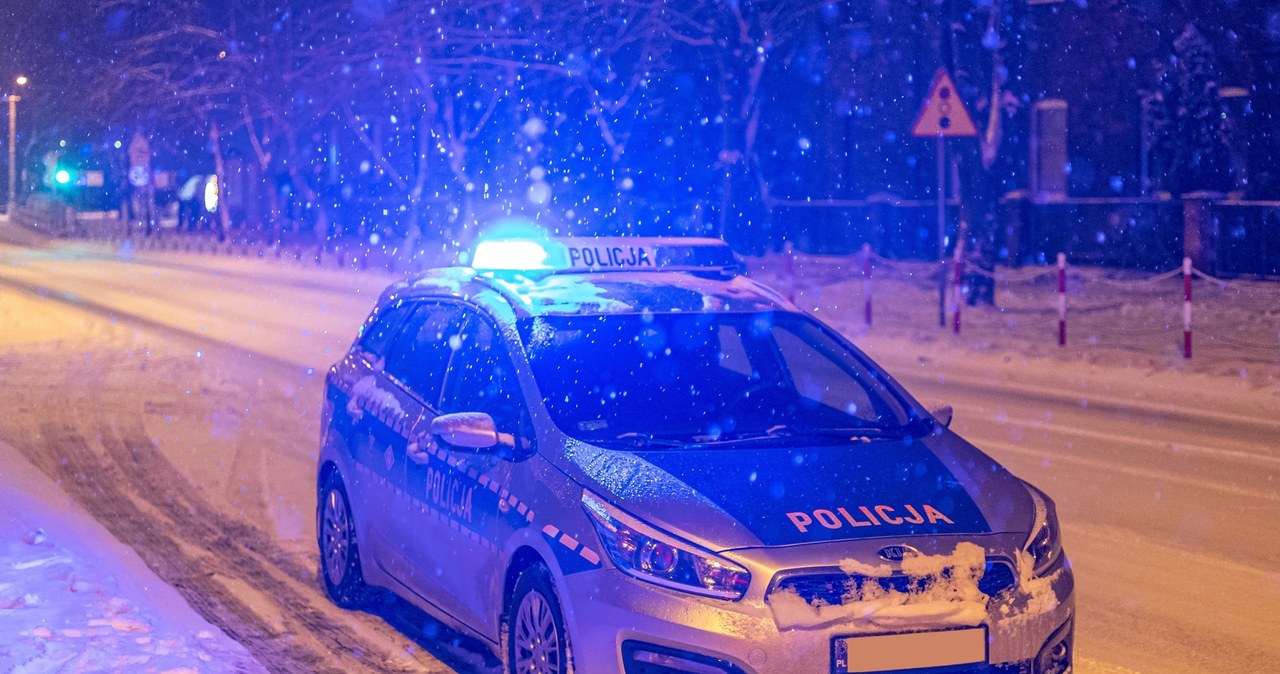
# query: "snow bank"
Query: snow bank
{"points": [[73, 599]]}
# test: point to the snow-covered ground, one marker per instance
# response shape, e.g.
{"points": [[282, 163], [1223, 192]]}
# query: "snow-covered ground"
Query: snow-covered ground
{"points": [[195, 381], [73, 599], [1122, 327]]}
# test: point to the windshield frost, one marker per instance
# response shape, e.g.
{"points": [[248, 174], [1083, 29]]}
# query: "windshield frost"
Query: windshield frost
{"points": [[703, 377]]}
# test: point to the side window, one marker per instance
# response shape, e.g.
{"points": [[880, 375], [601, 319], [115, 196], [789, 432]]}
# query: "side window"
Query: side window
{"points": [[733, 355], [482, 378], [422, 351], [377, 334]]}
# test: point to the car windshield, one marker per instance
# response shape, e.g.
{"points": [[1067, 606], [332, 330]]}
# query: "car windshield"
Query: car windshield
{"points": [[680, 378]]}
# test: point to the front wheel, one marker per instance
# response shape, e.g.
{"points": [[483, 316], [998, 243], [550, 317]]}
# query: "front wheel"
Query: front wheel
{"points": [[339, 554], [537, 642]]}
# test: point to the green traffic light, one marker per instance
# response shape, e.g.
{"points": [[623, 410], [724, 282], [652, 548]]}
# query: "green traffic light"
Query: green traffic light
{"points": [[62, 177]]}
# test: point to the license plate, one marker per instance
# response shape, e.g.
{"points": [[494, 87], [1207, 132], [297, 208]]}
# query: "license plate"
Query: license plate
{"points": [[910, 651]]}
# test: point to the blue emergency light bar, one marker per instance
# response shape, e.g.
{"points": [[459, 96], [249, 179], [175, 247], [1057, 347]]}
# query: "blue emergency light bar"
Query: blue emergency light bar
{"points": [[604, 254]]}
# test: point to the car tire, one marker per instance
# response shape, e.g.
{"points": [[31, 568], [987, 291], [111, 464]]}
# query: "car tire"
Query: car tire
{"points": [[537, 640], [339, 553]]}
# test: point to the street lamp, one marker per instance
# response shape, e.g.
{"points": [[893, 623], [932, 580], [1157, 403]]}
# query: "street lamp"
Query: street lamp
{"points": [[21, 81]]}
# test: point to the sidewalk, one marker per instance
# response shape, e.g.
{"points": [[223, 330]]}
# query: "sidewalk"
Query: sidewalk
{"points": [[1124, 342], [73, 599], [302, 248]]}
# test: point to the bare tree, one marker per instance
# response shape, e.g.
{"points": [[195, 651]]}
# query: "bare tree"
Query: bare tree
{"points": [[742, 40], [173, 69], [449, 101]]}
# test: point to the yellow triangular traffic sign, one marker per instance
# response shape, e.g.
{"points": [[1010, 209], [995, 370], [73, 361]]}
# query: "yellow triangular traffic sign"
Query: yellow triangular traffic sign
{"points": [[943, 113]]}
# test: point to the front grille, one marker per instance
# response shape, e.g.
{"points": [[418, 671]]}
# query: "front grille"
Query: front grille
{"points": [[997, 577], [830, 587]]}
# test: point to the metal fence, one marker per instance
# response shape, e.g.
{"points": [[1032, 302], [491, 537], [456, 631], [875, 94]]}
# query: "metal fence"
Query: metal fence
{"points": [[1134, 233], [900, 228], [47, 216], [1126, 232], [1248, 237], [1240, 237]]}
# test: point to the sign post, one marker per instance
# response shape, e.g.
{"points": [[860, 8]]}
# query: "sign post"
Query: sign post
{"points": [[942, 231], [13, 153], [142, 198], [943, 116]]}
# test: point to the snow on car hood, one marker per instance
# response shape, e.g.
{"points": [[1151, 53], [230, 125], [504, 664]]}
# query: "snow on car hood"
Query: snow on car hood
{"points": [[729, 497]]}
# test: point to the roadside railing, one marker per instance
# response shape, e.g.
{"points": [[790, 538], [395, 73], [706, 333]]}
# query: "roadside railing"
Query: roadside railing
{"points": [[298, 249], [962, 274], [907, 227]]}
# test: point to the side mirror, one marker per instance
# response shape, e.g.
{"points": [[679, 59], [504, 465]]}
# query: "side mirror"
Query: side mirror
{"points": [[943, 413], [472, 430]]}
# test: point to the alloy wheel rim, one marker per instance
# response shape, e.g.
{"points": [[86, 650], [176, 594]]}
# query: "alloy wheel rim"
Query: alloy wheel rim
{"points": [[537, 641], [336, 531]]}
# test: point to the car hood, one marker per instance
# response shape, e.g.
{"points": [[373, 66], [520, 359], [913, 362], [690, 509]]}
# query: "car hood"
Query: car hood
{"points": [[731, 497]]}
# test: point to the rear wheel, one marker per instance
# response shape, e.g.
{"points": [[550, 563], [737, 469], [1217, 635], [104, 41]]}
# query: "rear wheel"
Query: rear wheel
{"points": [[339, 554], [537, 642]]}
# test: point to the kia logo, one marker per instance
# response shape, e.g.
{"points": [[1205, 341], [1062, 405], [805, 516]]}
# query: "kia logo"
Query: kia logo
{"points": [[897, 553]]}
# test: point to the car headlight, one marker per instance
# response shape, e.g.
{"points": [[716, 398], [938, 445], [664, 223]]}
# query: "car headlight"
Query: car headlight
{"points": [[653, 556], [1045, 542]]}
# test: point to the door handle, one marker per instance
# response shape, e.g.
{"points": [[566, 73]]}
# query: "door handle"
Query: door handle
{"points": [[420, 454]]}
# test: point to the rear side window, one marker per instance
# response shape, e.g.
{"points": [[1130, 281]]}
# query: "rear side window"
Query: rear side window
{"points": [[422, 351], [378, 333]]}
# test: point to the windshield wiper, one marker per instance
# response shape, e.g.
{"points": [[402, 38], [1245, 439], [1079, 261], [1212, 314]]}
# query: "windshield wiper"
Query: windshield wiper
{"points": [[780, 433], [770, 435], [853, 432], [634, 439], [784, 433]]}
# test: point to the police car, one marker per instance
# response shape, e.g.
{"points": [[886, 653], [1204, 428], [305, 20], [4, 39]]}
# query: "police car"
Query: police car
{"points": [[622, 455]]}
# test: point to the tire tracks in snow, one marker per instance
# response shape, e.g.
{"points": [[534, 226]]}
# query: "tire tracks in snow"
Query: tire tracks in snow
{"points": [[232, 572], [190, 545], [93, 483], [255, 558], [164, 329]]}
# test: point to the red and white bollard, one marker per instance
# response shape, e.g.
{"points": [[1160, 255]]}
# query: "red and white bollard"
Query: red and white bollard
{"points": [[1062, 299], [789, 255], [1186, 308], [957, 294], [866, 282]]}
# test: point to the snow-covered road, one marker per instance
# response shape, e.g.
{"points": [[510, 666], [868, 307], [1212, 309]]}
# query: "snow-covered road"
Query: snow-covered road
{"points": [[188, 389]]}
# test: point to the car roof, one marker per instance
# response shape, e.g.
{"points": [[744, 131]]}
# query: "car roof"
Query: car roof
{"points": [[591, 293]]}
